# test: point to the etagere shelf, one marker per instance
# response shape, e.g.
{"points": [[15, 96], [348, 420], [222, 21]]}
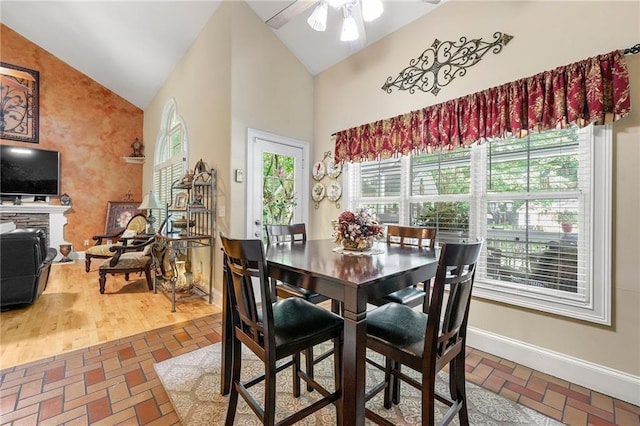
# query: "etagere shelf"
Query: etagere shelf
{"points": [[191, 226]]}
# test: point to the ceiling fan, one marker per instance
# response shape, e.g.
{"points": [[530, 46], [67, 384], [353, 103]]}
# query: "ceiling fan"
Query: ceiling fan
{"points": [[355, 12]]}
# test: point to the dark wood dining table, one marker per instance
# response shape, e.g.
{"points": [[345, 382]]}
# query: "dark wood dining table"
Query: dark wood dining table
{"points": [[351, 280]]}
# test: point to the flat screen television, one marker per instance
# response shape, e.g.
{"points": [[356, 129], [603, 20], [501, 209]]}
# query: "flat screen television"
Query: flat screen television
{"points": [[29, 171]]}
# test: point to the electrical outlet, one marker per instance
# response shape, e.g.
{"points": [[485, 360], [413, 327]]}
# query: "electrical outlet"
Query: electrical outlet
{"points": [[86, 243]]}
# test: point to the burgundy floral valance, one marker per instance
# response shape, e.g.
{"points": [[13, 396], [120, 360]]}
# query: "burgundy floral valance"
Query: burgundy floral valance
{"points": [[595, 90]]}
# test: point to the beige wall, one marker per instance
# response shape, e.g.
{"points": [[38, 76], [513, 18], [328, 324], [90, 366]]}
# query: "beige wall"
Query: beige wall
{"points": [[271, 92], [237, 75], [546, 35]]}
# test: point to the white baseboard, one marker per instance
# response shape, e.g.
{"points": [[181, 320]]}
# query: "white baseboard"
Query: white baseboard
{"points": [[602, 379]]}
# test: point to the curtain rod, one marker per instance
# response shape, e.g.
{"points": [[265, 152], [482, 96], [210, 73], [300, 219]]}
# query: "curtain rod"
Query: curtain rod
{"points": [[628, 51]]}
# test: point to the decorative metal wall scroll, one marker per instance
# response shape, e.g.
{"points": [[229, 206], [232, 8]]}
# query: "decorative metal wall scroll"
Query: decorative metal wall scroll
{"points": [[332, 191], [632, 50], [18, 103], [440, 64]]}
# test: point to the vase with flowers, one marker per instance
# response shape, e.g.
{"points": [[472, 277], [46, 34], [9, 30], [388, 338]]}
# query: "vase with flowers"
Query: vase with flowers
{"points": [[356, 231]]}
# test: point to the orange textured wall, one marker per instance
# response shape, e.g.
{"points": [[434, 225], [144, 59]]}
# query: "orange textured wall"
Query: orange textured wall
{"points": [[92, 127]]}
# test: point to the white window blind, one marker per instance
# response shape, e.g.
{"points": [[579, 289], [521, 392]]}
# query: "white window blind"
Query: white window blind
{"points": [[541, 204], [169, 164]]}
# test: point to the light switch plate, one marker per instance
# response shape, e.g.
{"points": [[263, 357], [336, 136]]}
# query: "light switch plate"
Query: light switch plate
{"points": [[239, 175]]}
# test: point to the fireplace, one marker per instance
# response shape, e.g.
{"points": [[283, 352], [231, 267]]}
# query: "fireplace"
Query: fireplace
{"points": [[50, 218]]}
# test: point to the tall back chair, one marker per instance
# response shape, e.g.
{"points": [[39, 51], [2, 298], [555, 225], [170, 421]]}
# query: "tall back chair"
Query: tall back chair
{"points": [[273, 331], [428, 342], [412, 295], [297, 233], [286, 233]]}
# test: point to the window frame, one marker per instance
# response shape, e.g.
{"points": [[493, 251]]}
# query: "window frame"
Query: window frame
{"points": [[595, 305], [170, 124]]}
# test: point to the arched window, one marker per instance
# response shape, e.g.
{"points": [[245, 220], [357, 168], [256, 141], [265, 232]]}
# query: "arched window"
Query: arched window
{"points": [[171, 152]]}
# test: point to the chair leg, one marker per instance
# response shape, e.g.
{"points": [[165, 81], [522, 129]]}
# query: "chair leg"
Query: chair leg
{"points": [[337, 377], [235, 382], [389, 380], [428, 397], [296, 375], [270, 394], [87, 262], [426, 287], [102, 280], [457, 386], [336, 307], [126, 276], [395, 383], [147, 273], [308, 355]]}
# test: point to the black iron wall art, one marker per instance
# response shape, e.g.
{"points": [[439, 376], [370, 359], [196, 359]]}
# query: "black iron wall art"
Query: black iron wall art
{"points": [[441, 63], [18, 103]]}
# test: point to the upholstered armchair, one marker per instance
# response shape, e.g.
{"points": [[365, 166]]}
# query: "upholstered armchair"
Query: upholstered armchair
{"points": [[137, 257], [135, 226]]}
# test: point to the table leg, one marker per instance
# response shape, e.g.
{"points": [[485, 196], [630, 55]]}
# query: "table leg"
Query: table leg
{"points": [[354, 363]]}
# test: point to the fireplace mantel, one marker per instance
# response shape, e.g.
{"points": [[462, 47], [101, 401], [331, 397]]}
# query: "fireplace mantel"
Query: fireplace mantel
{"points": [[57, 220]]}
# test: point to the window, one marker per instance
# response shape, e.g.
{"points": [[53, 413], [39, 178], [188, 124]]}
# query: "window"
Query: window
{"points": [[170, 156], [541, 203]]}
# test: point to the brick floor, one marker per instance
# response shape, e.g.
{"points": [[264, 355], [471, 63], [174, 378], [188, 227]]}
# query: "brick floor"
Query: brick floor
{"points": [[115, 383]]}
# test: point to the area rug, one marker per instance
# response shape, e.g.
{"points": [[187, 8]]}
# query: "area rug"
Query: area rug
{"points": [[192, 381]]}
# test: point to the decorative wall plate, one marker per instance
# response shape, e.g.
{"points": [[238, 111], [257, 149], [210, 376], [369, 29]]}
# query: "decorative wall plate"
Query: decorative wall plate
{"points": [[334, 191], [318, 170], [333, 169], [318, 192]]}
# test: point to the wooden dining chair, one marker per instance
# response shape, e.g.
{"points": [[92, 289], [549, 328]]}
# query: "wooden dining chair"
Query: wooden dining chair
{"points": [[415, 294], [297, 233], [428, 342], [274, 331]]}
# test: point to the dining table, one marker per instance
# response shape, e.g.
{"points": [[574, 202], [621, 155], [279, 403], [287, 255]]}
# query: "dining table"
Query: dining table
{"points": [[350, 278]]}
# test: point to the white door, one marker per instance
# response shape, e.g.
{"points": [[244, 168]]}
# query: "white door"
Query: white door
{"points": [[277, 186]]}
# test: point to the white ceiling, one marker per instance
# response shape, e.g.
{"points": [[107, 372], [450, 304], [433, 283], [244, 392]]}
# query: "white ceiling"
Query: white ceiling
{"points": [[131, 47]]}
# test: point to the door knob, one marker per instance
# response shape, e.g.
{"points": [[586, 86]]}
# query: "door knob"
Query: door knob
{"points": [[257, 234], [257, 222]]}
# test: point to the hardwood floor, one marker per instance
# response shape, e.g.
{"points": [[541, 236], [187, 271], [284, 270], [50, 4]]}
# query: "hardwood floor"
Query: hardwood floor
{"points": [[72, 314], [77, 357]]}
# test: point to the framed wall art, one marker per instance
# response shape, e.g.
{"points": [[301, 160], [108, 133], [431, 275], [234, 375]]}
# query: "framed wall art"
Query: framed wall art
{"points": [[180, 200], [119, 213], [18, 103]]}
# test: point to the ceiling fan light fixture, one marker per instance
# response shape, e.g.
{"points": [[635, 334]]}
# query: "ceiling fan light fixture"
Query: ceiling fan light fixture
{"points": [[349, 28], [318, 19], [371, 9]]}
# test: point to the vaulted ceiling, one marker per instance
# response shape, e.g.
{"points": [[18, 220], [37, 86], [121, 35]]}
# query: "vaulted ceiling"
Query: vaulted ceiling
{"points": [[132, 47]]}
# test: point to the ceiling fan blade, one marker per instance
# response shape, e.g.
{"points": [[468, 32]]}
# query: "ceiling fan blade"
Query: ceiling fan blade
{"points": [[291, 11], [432, 1], [361, 42]]}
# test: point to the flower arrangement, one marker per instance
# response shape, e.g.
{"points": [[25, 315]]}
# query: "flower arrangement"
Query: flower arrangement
{"points": [[356, 231]]}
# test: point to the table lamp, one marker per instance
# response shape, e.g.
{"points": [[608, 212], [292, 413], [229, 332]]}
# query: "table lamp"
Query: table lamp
{"points": [[149, 202]]}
